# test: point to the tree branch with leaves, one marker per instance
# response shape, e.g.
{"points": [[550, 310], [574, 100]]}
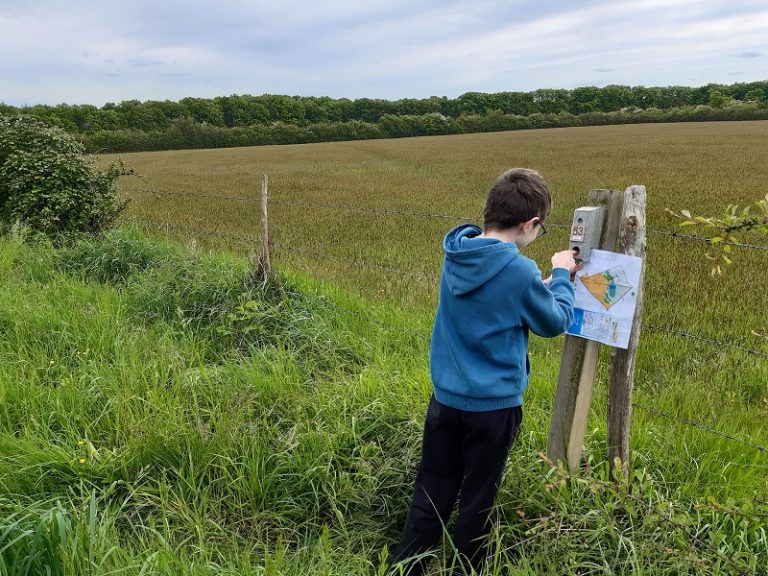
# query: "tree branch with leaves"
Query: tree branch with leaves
{"points": [[735, 220]]}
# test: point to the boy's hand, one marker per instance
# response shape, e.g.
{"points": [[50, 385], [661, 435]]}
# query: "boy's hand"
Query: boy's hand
{"points": [[565, 259]]}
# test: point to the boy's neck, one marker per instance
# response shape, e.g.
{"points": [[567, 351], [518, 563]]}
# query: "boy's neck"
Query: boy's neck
{"points": [[511, 235]]}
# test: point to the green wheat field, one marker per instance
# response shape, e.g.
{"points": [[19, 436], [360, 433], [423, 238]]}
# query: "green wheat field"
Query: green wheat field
{"points": [[166, 412]]}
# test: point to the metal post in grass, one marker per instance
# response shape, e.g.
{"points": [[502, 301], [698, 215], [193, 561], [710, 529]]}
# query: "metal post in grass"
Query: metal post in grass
{"points": [[623, 361], [578, 363]]}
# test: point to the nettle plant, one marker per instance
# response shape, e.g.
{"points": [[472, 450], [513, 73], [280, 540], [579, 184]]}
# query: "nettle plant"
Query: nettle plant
{"points": [[48, 184]]}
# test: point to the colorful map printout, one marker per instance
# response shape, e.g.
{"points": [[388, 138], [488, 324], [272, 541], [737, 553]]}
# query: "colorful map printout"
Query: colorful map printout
{"points": [[606, 298]]}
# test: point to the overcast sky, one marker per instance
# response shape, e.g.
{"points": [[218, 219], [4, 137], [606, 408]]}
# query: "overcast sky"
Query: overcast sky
{"points": [[88, 51]]}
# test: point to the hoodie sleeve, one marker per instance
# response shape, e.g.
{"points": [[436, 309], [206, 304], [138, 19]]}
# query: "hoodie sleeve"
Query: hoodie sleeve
{"points": [[548, 310]]}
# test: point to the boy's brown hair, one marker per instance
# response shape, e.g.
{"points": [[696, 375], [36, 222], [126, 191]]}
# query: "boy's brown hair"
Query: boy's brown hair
{"points": [[517, 196]]}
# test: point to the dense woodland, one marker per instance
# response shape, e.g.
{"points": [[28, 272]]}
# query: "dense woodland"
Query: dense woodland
{"points": [[244, 120]]}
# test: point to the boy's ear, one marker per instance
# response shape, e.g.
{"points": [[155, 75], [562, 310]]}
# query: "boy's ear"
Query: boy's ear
{"points": [[528, 224]]}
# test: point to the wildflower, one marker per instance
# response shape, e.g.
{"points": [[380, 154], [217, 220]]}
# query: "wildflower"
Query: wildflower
{"points": [[81, 442], [82, 460]]}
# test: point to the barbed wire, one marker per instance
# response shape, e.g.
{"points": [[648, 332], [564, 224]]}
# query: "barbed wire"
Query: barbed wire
{"points": [[358, 263], [706, 239], [699, 426], [710, 341], [408, 273], [161, 193], [291, 248], [689, 423], [367, 318], [215, 233], [390, 211], [286, 200], [655, 511], [684, 421]]}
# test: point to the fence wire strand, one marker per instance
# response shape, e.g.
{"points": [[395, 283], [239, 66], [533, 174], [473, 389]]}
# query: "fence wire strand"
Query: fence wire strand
{"points": [[710, 341], [164, 193], [699, 426], [194, 230], [706, 239], [389, 211], [357, 263], [286, 200]]}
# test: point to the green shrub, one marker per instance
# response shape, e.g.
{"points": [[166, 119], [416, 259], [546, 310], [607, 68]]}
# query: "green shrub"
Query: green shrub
{"points": [[47, 183]]}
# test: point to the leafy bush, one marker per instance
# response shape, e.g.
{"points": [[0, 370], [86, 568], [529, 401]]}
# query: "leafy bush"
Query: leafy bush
{"points": [[47, 183]]}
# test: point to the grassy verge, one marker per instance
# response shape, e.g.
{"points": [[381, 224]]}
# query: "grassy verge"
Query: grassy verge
{"points": [[162, 412]]}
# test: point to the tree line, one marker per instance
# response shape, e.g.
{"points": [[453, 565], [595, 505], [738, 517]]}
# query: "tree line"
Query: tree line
{"points": [[243, 120]]}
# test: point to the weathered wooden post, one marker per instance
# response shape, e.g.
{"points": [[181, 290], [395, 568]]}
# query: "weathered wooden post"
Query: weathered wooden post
{"points": [[578, 363], [263, 264], [623, 361]]}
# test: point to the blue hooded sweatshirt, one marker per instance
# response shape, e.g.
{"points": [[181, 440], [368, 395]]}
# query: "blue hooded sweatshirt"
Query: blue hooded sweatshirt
{"points": [[490, 297]]}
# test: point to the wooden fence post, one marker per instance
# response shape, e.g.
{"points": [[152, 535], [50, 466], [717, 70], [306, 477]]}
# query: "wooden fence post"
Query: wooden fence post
{"points": [[578, 363], [623, 361], [264, 267]]}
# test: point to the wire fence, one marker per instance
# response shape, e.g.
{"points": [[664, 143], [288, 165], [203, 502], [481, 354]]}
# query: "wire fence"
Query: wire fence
{"points": [[379, 268], [287, 200], [702, 339]]}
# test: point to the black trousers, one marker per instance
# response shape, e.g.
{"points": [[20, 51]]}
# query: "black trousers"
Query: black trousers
{"points": [[463, 457]]}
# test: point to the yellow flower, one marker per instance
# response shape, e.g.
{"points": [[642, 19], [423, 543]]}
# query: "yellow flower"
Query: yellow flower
{"points": [[82, 460], [80, 442]]}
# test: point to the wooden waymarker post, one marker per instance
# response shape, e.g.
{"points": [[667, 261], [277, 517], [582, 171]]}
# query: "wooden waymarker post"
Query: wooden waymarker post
{"points": [[578, 363], [623, 361]]}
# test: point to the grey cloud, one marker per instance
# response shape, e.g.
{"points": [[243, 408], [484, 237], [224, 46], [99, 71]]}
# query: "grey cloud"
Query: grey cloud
{"points": [[749, 54], [145, 63], [603, 69]]}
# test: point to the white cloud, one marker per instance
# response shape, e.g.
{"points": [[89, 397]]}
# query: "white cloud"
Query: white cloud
{"points": [[58, 50]]}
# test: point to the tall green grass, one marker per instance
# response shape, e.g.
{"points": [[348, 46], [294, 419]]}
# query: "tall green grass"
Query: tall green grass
{"points": [[164, 412], [701, 166]]}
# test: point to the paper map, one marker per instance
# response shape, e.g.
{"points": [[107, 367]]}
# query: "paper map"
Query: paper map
{"points": [[606, 298], [608, 286]]}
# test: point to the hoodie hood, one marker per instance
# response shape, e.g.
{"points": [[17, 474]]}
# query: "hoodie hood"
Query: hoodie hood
{"points": [[470, 261]]}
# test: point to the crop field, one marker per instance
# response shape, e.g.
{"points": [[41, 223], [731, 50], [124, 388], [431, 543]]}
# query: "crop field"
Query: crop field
{"points": [[164, 414], [394, 257]]}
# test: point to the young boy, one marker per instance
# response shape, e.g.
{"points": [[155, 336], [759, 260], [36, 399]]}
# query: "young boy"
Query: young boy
{"points": [[491, 296]]}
